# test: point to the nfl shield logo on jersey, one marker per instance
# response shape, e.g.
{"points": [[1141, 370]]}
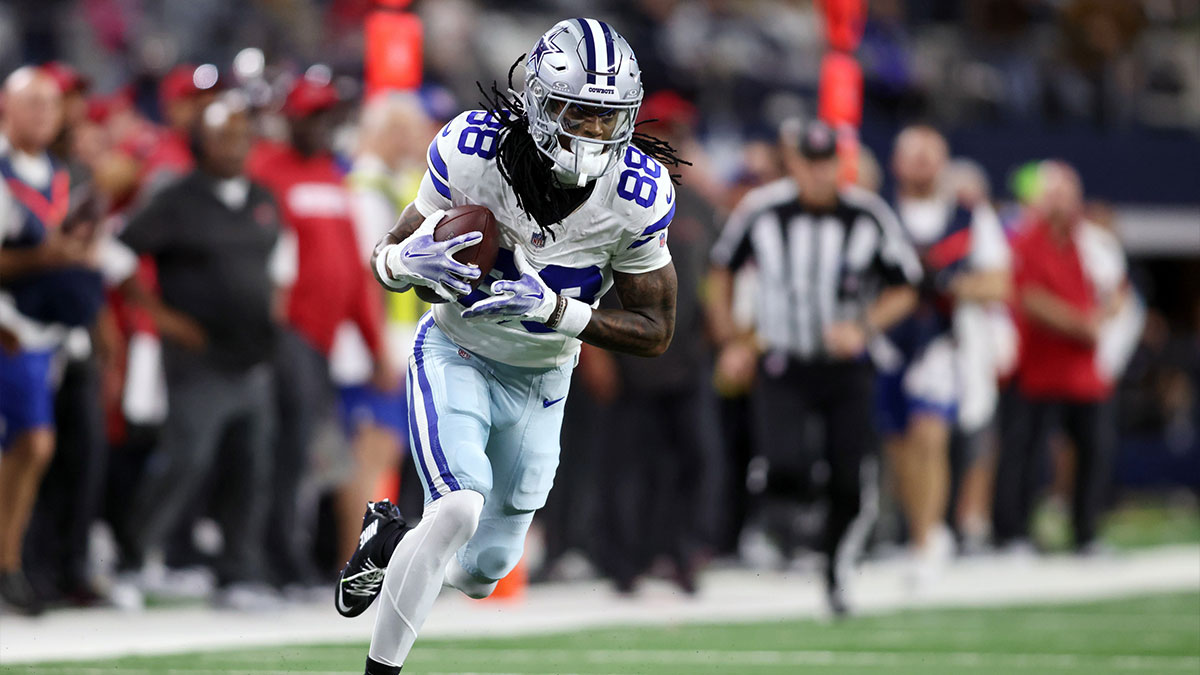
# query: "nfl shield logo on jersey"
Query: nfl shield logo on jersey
{"points": [[538, 239]]}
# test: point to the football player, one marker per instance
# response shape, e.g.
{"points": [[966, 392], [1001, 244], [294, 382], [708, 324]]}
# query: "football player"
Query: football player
{"points": [[582, 203]]}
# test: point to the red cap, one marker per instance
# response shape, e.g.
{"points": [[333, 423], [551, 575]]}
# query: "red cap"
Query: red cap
{"points": [[69, 80], [669, 108], [185, 81], [308, 96], [100, 108]]}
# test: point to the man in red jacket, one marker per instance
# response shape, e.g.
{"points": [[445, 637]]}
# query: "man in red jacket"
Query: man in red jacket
{"points": [[1069, 278], [330, 288]]}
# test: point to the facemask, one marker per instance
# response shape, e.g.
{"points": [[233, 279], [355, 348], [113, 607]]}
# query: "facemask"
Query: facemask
{"points": [[589, 159]]}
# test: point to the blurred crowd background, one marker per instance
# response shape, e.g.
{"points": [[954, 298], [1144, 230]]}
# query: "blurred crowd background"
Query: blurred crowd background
{"points": [[1109, 88]]}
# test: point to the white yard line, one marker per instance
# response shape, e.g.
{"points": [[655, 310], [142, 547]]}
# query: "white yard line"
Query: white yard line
{"points": [[859, 659], [189, 671], [125, 670], [726, 596], [873, 658]]}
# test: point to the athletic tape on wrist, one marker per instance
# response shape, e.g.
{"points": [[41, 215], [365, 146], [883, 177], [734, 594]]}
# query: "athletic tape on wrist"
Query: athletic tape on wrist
{"points": [[575, 318], [381, 269]]}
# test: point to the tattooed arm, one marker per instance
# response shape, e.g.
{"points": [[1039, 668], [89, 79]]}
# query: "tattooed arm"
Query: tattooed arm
{"points": [[409, 221], [646, 321]]}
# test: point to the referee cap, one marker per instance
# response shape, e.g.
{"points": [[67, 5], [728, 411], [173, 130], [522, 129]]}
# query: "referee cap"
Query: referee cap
{"points": [[818, 140]]}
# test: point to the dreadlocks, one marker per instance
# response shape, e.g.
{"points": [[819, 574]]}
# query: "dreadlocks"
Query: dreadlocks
{"points": [[529, 173]]}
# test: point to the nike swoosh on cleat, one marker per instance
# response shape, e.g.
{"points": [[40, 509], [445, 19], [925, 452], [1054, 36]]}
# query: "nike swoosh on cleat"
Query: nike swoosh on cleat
{"points": [[546, 403], [342, 607]]}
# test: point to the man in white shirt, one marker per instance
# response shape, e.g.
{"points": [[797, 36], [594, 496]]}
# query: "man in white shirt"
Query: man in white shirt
{"points": [[965, 257]]}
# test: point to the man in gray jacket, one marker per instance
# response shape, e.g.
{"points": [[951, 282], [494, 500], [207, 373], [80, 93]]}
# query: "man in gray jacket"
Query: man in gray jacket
{"points": [[213, 235]]}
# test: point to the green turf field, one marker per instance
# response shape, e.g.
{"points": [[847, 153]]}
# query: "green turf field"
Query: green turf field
{"points": [[1153, 634], [1137, 523]]}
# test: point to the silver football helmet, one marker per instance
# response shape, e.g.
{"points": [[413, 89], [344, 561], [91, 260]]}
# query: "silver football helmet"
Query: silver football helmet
{"points": [[583, 88]]}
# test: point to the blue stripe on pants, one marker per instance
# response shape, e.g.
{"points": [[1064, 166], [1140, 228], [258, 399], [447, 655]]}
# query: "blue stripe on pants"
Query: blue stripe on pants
{"points": [[430, 412], [415, 433]]}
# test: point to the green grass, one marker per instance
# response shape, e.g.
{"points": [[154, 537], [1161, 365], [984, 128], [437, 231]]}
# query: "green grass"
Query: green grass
{"points": [[1135, 524], [1150, 634], [1152, 524]]}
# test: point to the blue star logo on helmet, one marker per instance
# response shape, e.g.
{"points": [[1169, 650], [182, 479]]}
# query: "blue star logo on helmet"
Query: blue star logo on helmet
{"points": [[545, 46]]}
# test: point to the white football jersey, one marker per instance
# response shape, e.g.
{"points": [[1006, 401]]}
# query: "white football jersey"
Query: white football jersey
{"points": [[622, 226]]}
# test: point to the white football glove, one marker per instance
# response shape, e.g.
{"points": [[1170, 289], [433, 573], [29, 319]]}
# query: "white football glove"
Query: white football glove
{"points": [[421, 261], [526, 298]]}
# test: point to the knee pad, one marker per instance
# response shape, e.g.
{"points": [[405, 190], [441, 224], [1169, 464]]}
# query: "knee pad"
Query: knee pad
{"points": [[496, 562], [473, 588], [496, 547]]}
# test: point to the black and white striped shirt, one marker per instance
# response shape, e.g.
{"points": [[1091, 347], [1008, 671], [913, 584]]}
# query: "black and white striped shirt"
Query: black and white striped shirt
{"points": [[814, 267]]}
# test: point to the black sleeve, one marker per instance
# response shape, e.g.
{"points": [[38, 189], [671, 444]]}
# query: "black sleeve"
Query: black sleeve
{"points": [[895, 258], [149, 230], [732, 248]]}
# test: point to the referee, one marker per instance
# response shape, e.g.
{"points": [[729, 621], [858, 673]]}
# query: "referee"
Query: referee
{"points": [[833, 269]]}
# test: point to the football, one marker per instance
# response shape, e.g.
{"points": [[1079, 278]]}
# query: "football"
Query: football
{"points": [[461, 220]]}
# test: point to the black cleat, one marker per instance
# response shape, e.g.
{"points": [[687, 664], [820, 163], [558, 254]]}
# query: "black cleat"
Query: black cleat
{"points": [[362, 577]]}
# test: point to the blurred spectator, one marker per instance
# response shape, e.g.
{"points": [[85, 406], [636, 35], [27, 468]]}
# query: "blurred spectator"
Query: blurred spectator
{"points": [[161, 155], [986, 342], [53, 271], [393, 134], [1096, 80], [183, 94], [1070, 279], [71, 493], [889, 81], [965, 259], [74, 88], [140, 159], [32, 108], [661, 467], [56, 548], [834, 269], [331, 287], [212, 236]]}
